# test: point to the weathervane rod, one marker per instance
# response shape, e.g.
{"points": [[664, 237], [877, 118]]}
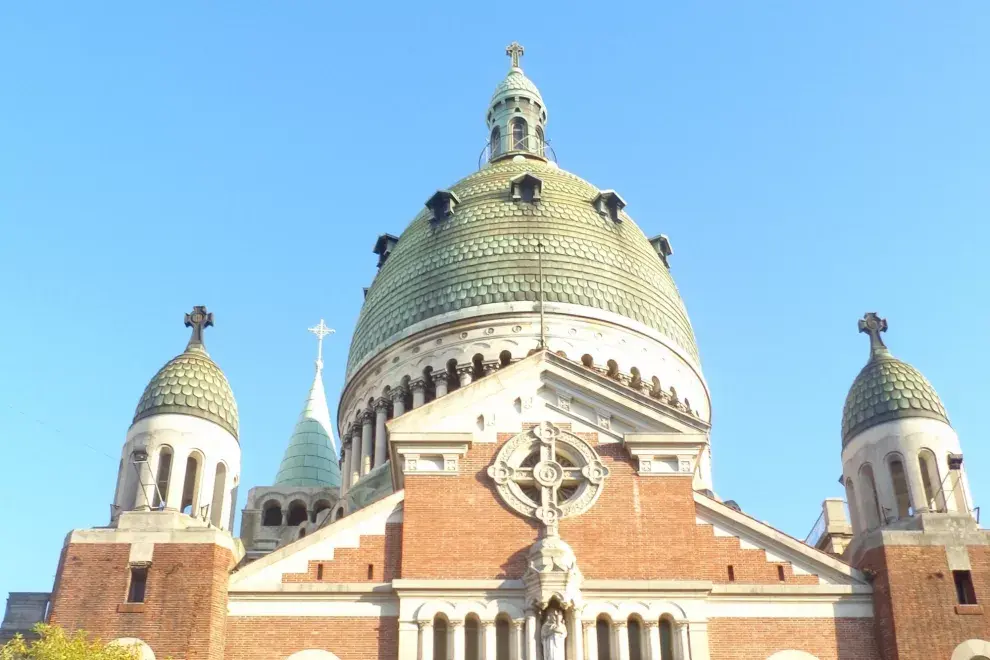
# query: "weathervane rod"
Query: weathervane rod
{"points": [[543, 331]]}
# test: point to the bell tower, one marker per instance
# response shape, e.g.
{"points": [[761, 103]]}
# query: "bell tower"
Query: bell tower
{"points": [[517, 116], [914, 531], [157, 575]]}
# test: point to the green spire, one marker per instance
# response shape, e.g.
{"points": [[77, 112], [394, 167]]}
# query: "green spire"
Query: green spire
{"points": [[311, 457]]}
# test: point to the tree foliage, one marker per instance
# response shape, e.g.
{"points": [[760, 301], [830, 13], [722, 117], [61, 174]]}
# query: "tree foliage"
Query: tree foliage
{"points": [[55, 643]]}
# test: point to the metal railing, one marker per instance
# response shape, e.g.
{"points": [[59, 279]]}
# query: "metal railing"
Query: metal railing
{"points": [[507, 145], [817, 531]]}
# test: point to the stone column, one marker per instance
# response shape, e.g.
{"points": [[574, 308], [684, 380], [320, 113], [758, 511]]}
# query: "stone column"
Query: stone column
{"points": [[176, 483], [916, 485], [355, 453], [440, 382], [590, 640], [488, 632], [518, 641], [425, 640], [381, 445], [457, 630], [367, 433], [345, 474], [621, 633], [418, 388], [466, 374], [653, 632], [398, 396], [577, 635], [531, 634], [694, 637], [409, 641]]}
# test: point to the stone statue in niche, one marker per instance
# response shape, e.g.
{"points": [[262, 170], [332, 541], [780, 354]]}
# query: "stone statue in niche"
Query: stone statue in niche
{"points": [[553, 634]]}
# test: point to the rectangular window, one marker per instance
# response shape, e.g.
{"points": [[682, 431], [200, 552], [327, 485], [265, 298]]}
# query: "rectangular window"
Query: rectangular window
{"points": [[780, 573], [732, 574], [965, 594], [138, 585]]}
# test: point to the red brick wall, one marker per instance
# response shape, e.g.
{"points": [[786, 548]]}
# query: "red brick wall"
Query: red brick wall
{"points": [[185, 606], [383, 554], [640, 528], [274, 638], [915, 601], [758, 639]]}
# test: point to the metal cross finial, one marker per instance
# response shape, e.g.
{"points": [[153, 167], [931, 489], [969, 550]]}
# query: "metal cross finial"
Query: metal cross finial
{"points": [[873, 325], [515, 51], [199, 319], [320, 331]]}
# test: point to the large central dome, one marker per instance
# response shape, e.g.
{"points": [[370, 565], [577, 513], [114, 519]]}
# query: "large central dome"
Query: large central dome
{"points": [[485, 253]]}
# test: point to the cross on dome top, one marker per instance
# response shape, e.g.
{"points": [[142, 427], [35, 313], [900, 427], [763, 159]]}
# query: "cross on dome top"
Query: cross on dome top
{"points": [[321, 330], [515, 51], [872, 325], [198, 319]]}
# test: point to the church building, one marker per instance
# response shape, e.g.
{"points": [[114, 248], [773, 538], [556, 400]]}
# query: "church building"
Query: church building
{"points": [[520, 469]]}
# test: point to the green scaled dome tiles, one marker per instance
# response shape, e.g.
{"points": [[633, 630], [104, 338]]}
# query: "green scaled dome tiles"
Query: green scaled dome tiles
{"points": [[486, 253], [190, 384], [888, 389]]}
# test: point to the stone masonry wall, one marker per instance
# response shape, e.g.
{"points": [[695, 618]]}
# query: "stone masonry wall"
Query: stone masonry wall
{"points": [[353, 638], [185, 607], [640, 528], [915, 601]]}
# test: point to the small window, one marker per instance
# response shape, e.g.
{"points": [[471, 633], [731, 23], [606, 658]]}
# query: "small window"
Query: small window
{"points": [[666, 639], [603, 631], [496, 143], [539, 140], [780, 573], [371, 571], [520, 141], [965, 594], [732, 573], [635, 633], [138, 584], [319, 571], [161, 483]]}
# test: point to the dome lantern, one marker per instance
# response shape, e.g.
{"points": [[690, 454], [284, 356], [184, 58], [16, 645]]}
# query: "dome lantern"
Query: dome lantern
{"points": [[517, 116]]}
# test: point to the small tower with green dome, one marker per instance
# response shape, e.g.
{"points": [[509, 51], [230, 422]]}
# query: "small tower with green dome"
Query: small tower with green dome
{"points": [[517, 116]]}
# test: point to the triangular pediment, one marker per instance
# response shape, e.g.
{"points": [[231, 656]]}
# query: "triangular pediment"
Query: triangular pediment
{"points": [[567, 391]]}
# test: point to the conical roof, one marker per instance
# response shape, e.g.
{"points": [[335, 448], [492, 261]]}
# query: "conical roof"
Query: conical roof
{"points": [[191, 383], [311, 457], [886, 388]]}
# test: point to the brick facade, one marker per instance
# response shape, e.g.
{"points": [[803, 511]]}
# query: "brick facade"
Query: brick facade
{"points": [[915, 608], [376, 559], [268, 638], [758, 639], [659, 537], [185, 609]]}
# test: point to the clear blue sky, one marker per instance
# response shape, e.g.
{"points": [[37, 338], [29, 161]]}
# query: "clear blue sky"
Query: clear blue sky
{"points": [[810, 162]]}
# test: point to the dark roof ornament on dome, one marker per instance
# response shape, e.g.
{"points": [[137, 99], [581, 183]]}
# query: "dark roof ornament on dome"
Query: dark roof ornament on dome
{"points": [[191, 383], [886, 388], [199, 319]]}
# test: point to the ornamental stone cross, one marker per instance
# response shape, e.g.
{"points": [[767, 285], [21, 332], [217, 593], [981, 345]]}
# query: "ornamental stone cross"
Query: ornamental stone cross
{"points": [[873, 325], [199, 319], [321, 331], [549, 475], [515, 51]]}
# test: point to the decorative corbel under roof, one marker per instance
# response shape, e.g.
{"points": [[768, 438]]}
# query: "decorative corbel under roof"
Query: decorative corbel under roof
{"points": [[670, 454], [608, 203]]}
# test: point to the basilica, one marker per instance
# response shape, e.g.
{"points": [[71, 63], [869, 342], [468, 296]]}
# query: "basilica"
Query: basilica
{"points": [[520, 469]]}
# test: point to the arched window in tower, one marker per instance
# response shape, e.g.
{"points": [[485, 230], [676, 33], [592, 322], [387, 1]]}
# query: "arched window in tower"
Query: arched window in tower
{"points": [[496, 142], [190, 487], [603, 631], [272, 514], [871, 505], [318, 508], [539, 140], [931, 481], [634, 629], [472, 638], [902, 499], [440, 636], [297, 513], [520, 139], [502, 648], [219, 486], [853, 505], [666, 639], [161, 481]]}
